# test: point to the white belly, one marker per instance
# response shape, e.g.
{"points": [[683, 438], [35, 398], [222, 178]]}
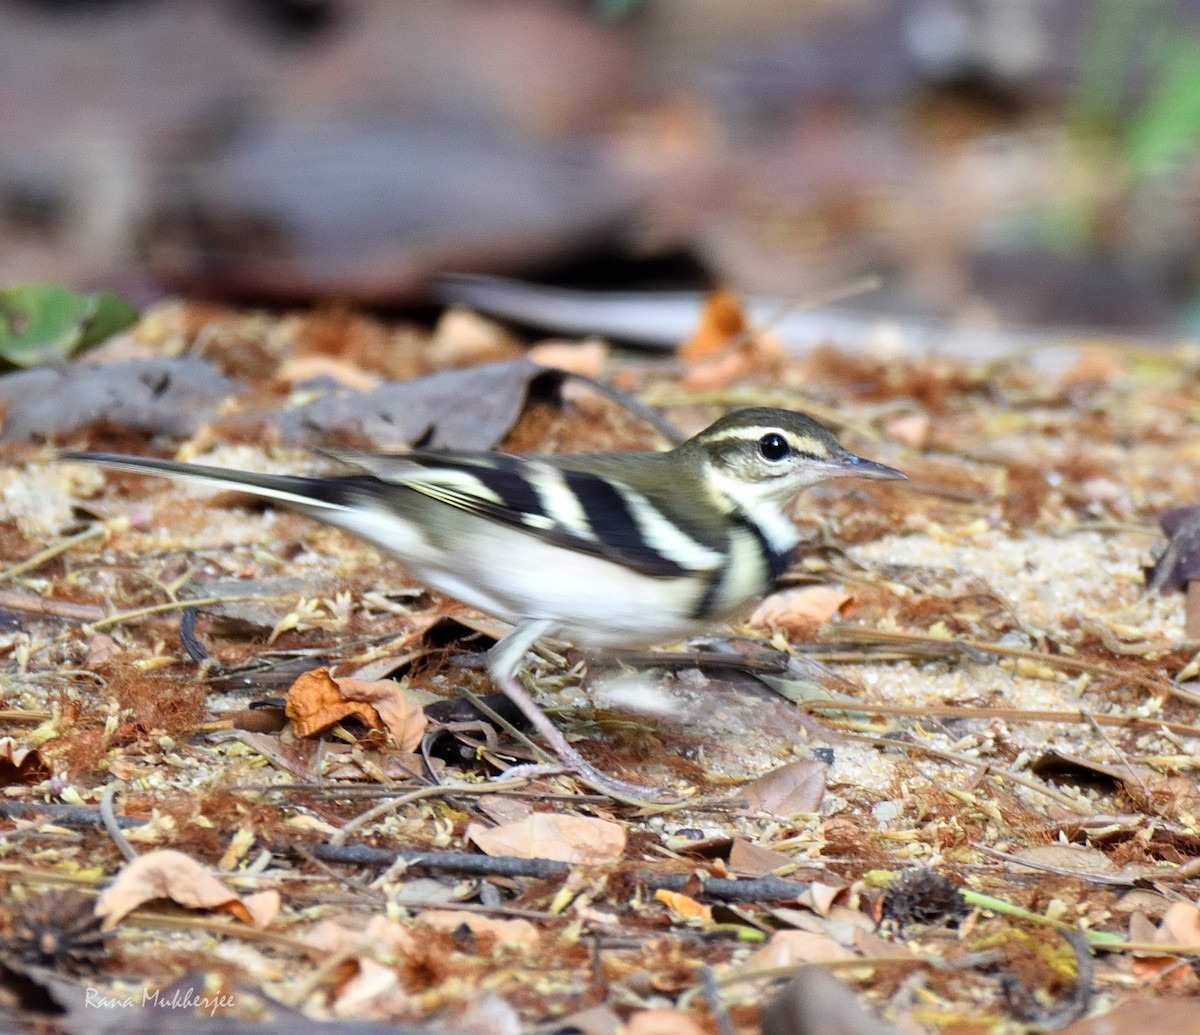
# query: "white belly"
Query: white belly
{"points": [[512, 575]]}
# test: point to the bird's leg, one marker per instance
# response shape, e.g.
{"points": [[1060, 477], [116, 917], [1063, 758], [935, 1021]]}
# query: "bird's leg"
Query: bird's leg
{"points": [[503, 661]]}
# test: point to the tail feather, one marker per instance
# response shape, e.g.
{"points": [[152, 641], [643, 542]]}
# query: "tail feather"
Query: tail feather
{"points": [[304, 493]]}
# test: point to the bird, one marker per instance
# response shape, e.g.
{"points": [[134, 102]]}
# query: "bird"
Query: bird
{"points": [[613, 549]]}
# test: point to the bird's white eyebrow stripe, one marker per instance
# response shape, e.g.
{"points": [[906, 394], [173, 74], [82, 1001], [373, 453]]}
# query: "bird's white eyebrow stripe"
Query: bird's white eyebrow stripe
{"points": [[802, 443]]}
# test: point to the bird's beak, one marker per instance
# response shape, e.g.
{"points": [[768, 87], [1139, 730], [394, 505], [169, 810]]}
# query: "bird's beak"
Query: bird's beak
{"points": [[851, 465]]}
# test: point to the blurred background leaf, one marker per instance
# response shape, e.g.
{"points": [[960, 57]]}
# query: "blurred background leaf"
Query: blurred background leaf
{"points": [[47, 323]]}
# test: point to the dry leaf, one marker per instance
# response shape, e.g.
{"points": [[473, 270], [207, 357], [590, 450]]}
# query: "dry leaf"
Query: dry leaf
{"points": [[800, 612], [373, 993], [751, 860], [1163, 1016], [262, 907], [333, 937], [315, 703], [721, 352], [546, 835], [684, 905], [722, 321], [789, 948], [164, 874], [795, 787], [662, 1021], [820, 897], [403, 716], [817, 1003], [514, 932], [19, 764], [580, 357]]}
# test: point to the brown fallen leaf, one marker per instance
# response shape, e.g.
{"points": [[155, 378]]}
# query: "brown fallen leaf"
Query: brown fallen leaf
{"points": [[20, 764], [317, 700], [1179, 925], [750, 860], [817, 1003], [513, 932], [401, 714], [333, 937], [1164, 1015], [789, 948], [662, 1021], [723, 348], [164, 874], [373, 993], [546, 835], [795, 787], [800, 612], [314, 703]]}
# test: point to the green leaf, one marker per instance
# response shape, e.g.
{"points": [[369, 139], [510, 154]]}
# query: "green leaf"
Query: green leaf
{"points": [[47, 323]]}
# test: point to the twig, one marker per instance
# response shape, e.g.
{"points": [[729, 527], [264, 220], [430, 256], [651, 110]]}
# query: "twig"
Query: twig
{"points": [[758, 889], [39, 605], [1133, 723], [949, 756], [109, 818], [385, 808], [1093, 878], [50, 552], [712, 996]]}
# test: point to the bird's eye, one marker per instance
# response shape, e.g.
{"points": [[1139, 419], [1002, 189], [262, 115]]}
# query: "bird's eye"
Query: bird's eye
{"points": [[773, 447]]}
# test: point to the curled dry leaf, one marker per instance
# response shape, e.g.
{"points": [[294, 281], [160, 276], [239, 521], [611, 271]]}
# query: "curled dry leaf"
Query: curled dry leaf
{"points": [[403, 716], [1180, 925], [795, 787], [20, 764], [512, 932], [800, 612], [544, 835], [166, 874], [316, 701]]}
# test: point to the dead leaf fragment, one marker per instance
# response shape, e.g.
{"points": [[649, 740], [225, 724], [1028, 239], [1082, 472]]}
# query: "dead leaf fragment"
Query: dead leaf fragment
{"points": [[165, 874], [662, 1021], [401, 714], [750, 860], [545, 835], [20, 764], [817, 1003], [511, 932], [684, 905], [724, 348], [1163, 1015], [800, 612], [789, 948], [795, 787], [316, 701]]}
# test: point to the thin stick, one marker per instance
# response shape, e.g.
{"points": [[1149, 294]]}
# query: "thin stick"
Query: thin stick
{"points": [[112, 827], [50, 552]]}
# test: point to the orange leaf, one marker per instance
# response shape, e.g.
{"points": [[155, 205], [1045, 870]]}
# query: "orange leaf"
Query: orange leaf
{"points": [[721, 322], [546, 835], [404, 718], [315, 703], [684, 905]]}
